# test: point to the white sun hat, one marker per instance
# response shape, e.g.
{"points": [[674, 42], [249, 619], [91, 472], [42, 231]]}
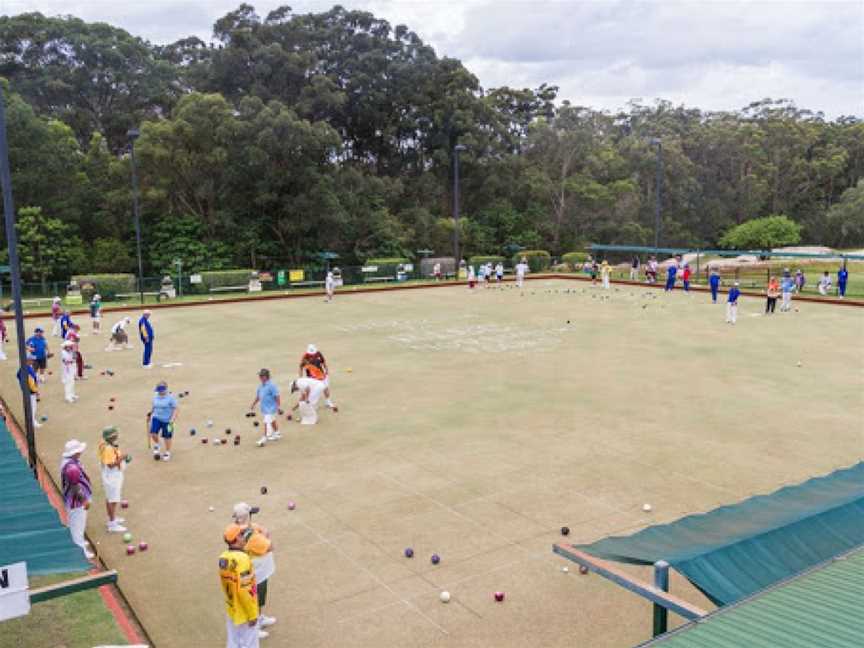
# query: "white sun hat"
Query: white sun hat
{"points": [[311, 349], [73, 447]]}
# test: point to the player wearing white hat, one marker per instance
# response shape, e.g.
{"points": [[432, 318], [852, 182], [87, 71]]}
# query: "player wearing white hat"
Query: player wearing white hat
{"points": [[119, 337], [313, 365]]}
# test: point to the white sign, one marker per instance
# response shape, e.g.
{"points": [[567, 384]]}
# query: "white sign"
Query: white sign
{"points": [[195, 279], [14, 597], [369, 269]]}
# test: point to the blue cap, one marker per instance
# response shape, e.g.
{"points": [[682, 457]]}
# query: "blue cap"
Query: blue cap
{"points": [[161, 387], [39, 329]]}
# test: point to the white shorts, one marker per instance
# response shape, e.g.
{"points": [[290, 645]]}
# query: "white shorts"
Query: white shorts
{"points": [[112, 482], [241, 636], [269, 418]]}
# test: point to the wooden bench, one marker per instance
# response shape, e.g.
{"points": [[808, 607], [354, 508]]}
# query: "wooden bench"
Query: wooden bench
{"points": [[135, 294], [244, 288], [374, 279], [306, 283], [36, 301]]}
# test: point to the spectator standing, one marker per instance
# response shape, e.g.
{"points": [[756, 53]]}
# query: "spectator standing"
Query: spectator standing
{"points": [[77, 493], [634, 269], [825, 283], [800, 280]]}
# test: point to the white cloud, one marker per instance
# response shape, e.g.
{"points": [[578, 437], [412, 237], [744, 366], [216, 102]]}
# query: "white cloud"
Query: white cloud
{"points": [[712, 54]]}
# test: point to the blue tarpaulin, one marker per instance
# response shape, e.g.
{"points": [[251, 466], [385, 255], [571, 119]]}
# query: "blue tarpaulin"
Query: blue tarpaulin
{"points": [[734, 551], [30, 527]]}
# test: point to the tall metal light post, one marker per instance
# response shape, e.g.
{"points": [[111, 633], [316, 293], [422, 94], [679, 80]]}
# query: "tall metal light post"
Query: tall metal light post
{"points": [[15, 271], [656, 141], [133, 134], [456, 150]]}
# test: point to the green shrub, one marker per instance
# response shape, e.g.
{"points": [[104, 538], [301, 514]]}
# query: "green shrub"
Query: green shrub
{"points": [[386, 266], [480, 260], [219, 278], [107, 285], [538, 260], [574, 260]]}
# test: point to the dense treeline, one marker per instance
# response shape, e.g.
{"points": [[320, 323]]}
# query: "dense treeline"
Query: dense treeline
{"points": [[292, 134]]}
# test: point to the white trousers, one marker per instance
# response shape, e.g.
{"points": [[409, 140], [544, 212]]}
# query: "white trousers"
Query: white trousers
{"points": [[520, 280], [241, 636], [68, 380], [787, 301], [731, 312], [606, 282], [77, 525], [2, 350], [55, 330], [634, 274], [33, 408]]}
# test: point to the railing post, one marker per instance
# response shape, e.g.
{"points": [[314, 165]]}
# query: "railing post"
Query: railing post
{"points": [[661, 581]]}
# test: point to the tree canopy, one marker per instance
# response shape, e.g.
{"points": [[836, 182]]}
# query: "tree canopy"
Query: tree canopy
{"points": [[289, 133]]}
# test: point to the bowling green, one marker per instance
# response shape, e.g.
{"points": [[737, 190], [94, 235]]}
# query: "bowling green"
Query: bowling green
{"points": [[473, 425]]}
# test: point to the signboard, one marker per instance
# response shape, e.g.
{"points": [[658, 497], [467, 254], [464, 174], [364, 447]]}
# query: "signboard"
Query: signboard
{"points": [[14, 597], [280, 277], [195, 279], [369, 269], [296, 275], [265, 276], [408, 267]]}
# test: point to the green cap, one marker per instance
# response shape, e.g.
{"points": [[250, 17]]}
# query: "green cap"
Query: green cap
{"points": [[110, 434]]}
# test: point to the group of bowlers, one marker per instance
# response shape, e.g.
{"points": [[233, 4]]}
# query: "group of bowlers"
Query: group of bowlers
{"points": [[311, 385]]}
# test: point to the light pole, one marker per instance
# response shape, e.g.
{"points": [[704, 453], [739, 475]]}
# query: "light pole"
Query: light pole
{"points": [[656, 141], [179, 263], [133, 134], [15, 271], [456, 150]]}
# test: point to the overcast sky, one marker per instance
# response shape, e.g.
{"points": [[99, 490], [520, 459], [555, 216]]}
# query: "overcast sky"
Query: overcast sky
{"points": [[715, 55]]}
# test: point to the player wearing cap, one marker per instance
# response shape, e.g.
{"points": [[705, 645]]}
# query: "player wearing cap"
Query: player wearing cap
{"points": [[113, 462], [259, 546], [38, 346], [161, 418], [313, 365], [240, 591], [119, 338], [267, 395], [77, 492], [67, 375]]}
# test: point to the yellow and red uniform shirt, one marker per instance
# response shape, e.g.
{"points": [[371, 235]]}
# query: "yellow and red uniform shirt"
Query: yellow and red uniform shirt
{"points": [[238, 586]]}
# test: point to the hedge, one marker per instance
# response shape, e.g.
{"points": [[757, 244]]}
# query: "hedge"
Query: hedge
{"points": [[538, 260], [386, 266], [481, 260], [574, 258], [219, 278], [107, 285]]}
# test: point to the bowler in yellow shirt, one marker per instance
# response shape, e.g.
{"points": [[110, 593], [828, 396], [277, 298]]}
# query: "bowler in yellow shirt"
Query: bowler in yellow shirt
{"points": [[240, 591]]}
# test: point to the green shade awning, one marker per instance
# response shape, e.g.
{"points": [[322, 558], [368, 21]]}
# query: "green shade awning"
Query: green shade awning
{"points": [[30, 527], [734, 551], [822, 607]]}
